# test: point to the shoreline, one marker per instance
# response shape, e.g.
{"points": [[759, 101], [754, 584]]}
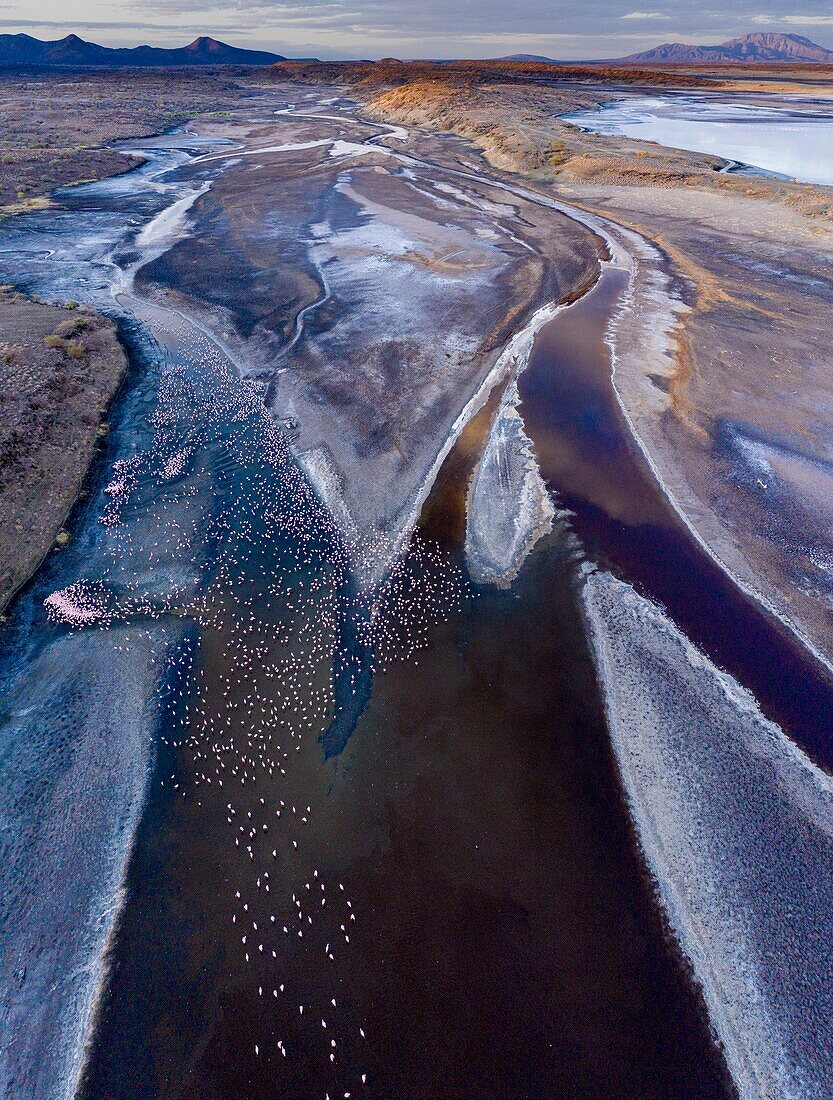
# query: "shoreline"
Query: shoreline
{"points": [[107, 366], [106, 958], [612, 233], [60, 976], [697, 961], [731, 971], [792, 630], [102, 958], [636, 203]]}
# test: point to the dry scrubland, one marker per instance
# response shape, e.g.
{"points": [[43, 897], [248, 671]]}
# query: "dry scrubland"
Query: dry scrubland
{"points": [[59, 368], [56, 126]]}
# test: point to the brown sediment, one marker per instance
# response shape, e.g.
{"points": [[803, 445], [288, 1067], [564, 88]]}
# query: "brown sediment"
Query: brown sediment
{"points": [[25, 206], [443, 514], [441, 263], [710, 293], [680, 380], [709, 288], [587, 285]]}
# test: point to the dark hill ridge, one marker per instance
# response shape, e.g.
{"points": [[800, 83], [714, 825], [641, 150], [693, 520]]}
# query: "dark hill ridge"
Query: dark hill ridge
{"points": [[538, 58], [23, 49], [758, 46]]}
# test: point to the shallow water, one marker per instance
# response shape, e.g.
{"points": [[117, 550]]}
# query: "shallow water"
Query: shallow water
{"points": [[80, 707], [504, 936], [431, 760], [625, 523], [504, 939], [789, 139]]}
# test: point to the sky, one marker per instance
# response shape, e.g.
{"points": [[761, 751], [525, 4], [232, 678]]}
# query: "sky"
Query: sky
{"points": [[563, 29]]}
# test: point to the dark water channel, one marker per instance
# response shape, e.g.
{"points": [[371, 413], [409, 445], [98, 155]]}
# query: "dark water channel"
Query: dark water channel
{"points": [[506, 942], [625, 523], [505, 939]]}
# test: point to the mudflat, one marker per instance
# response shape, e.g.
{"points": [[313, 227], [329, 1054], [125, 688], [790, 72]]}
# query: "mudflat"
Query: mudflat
{"points": [[336, 289], [735, 413], [387, 278]]}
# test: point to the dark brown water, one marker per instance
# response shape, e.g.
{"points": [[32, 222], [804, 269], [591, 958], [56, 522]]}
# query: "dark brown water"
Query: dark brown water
{"points": [[505, 942], [625, 523]]}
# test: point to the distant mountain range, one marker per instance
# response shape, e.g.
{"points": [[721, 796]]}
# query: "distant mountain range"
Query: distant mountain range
{"points": [[23, 49], [759, 46]]}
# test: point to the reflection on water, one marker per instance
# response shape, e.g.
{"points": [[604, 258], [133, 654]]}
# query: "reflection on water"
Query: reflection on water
{"points": [[625, 522], [793, 140], [504, 942]]}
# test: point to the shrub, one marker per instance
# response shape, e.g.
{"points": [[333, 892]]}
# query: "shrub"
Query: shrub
{"points": [[73, 326], [558, 154]]}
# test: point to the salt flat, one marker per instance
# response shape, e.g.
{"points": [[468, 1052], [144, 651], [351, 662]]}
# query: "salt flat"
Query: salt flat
{"points": [[383, 292]]}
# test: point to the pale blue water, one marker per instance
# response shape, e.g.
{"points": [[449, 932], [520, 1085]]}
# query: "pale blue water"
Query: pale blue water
{"points": [[794, 139]]}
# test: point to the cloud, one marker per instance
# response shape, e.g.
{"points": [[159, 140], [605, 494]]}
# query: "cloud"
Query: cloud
{"points": [[645, 15], [92, 25], [408, 19], [795, 20]]}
